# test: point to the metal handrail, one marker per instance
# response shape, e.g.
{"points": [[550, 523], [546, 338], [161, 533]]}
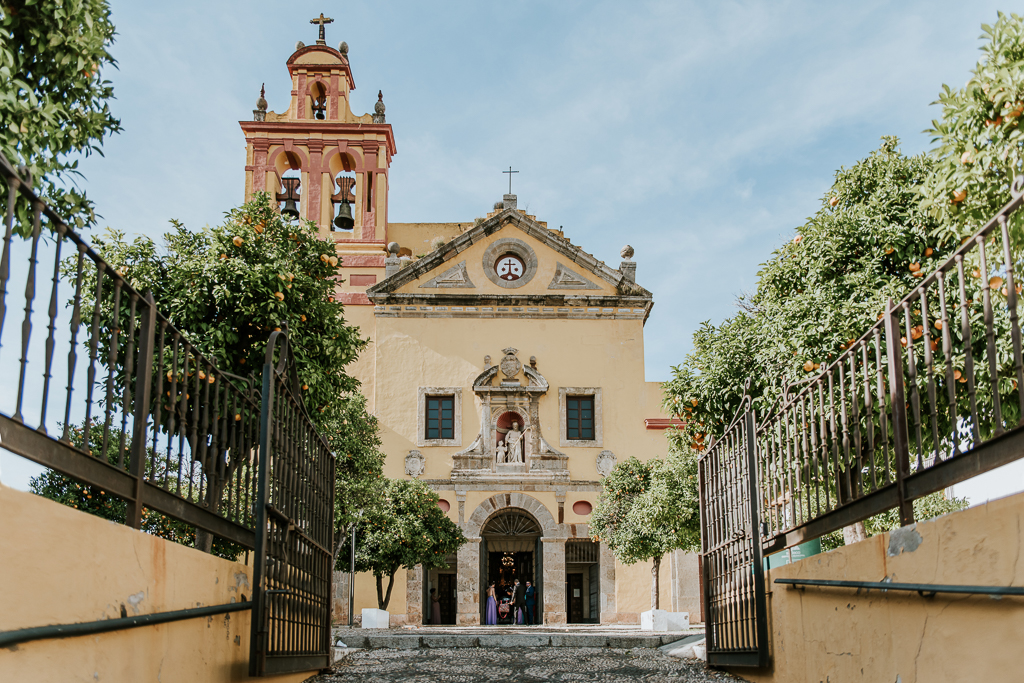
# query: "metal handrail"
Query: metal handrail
{"points": [[88, 628], [924, 589]]}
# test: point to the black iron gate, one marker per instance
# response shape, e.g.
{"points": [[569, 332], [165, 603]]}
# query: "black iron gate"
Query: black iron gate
{"points": [[291, 621], [736, 625]]}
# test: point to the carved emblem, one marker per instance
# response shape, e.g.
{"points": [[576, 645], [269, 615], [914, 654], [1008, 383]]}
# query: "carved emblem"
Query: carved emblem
{"points": [[510, 365], [605, 463], [415, 464]]}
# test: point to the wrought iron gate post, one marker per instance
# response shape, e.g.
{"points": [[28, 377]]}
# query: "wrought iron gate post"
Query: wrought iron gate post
{"points": [[258, 627], [140, 409], [901, 431], [760, 600]]}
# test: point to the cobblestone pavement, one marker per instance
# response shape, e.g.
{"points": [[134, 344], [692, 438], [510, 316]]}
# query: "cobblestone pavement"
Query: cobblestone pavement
{"points": [[466, 665]]}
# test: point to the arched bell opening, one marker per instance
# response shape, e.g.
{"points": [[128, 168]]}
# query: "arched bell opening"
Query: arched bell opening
{"points": [[316, 101], [289, 187], [343, 202], [510, 549]]}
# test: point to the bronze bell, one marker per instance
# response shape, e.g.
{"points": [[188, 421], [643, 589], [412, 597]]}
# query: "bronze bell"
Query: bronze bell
{"points": [[344, 220], [290, 209], [291, 193]]}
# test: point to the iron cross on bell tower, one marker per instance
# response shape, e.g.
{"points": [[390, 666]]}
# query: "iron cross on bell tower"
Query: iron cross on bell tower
{"points": [[322, 20], [510, 172]]}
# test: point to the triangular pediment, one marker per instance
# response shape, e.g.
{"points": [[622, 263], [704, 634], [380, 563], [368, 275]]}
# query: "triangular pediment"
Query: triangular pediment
{"points": [[456, 277], [543, 265]]}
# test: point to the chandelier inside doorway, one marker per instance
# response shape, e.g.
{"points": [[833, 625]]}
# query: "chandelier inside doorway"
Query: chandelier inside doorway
{"points": [[507, 560]]}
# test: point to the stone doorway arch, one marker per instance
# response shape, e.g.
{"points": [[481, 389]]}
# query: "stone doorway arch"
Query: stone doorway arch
{"points": [[547, 536]]}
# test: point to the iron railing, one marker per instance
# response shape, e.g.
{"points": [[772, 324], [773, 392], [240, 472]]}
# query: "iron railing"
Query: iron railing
{"points": [[734, 596], [291, 625], [931, 395], [135, 409], [143, 415]]}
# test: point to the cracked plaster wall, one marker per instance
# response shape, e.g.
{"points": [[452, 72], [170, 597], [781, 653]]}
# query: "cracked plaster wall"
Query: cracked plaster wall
{"points": [[66, 566], [840, 635]]}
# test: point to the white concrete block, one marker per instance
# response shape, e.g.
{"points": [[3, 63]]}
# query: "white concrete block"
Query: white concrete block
{"points": [[376, 618], [654, 620], [678, 621]]}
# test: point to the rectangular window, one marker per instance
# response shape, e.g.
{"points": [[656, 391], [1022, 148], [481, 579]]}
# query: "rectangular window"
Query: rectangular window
{"points": [[440, 417], [579, 418]]}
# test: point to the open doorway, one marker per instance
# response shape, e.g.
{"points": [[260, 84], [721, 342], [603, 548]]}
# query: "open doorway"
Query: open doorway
{"points": [[510, 550], [582, 582]]}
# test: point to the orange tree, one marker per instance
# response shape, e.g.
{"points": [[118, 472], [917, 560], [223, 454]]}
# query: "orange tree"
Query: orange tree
{"points": [[648, 509], [228, 287], [53, 100], [405, 527]]}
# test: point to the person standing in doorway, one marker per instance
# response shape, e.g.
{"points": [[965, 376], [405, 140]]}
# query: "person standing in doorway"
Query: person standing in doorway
{"points": [[435, 608], [518, 602], [491, 613], [531, 603]]}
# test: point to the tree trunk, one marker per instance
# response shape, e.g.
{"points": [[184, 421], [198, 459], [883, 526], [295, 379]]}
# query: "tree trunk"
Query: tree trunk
{"points": [[655, 584], [854, 533], [382, 599]]}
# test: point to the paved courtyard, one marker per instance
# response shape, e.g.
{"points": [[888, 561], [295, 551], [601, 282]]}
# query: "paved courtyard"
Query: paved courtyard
{"points": [[465, 665]]}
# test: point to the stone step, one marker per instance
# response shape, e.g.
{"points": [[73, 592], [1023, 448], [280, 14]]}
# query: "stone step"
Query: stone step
{"points": [[373, 638]]}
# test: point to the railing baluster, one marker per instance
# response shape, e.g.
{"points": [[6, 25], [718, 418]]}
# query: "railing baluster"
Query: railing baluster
{"points": [[947, 351], [112, 355], [5, 259], [869, 412], [30, 295], [965, 333], [129, 364], [76, 322], [883, 421], [915, 399], [52, 314], [990, 338], [1011, 304]]}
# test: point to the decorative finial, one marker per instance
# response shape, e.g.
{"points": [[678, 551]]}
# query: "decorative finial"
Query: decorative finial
{"points": [[378, 109], [343, 49], [299, 45], [393, 248], [322, 20], [627, 252], [260, 112]]}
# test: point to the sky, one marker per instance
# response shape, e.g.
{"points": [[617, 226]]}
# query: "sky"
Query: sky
{"points": [[701, 133]]}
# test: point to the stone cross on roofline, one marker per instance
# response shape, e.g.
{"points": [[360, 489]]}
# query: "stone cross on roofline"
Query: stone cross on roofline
{"points": [[322, 20]]}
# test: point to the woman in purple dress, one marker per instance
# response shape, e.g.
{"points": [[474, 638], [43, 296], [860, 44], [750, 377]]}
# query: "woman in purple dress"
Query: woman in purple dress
{"points": [[491, 612]]}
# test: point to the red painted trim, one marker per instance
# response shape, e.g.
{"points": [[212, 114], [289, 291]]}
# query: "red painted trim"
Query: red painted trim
{"points": [[362, 279], [298, 127], [362, 261], [663, 423], [353, 299]]}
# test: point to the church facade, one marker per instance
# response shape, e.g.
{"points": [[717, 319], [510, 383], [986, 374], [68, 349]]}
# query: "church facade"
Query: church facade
{"points": [[505, 365]]}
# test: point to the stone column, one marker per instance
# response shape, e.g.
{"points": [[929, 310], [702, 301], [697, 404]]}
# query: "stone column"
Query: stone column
{"points": [[468, 583], [608, 612], [554, 580], [414, 595]]}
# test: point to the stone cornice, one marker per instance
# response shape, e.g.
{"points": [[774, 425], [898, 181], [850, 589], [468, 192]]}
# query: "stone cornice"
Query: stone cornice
{"points": [[509, 217]]}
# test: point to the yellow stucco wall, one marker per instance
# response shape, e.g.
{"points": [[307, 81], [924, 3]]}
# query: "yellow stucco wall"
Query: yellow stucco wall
{"points": [[67, 566], [845, 635]]}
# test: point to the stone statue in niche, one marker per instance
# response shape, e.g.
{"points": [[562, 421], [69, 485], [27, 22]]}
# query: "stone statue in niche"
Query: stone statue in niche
{"points": [[415, 463], [500, 453], [514, 444]]}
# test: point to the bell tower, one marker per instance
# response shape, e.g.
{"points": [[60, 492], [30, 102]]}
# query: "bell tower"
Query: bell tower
{"points": [[320, 161]]}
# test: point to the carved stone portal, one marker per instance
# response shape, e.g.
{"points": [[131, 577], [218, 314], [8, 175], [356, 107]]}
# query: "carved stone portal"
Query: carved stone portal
{"points": [[415, 463], [511, 441]]}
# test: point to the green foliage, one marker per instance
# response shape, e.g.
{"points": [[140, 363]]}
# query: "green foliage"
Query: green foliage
{"points": [[815, 294], [929, 507], [404, 528], [980, 137], [95, 501], [228, 287], [53, 101], [648, 509]]}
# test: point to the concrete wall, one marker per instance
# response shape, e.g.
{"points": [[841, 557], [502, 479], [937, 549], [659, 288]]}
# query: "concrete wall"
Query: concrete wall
{"points": [[846, 635], [61, 566]]}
